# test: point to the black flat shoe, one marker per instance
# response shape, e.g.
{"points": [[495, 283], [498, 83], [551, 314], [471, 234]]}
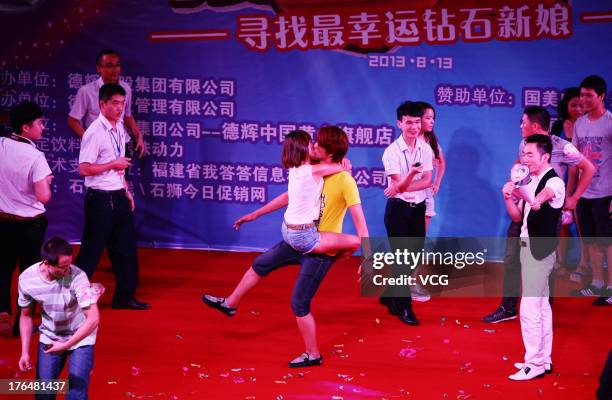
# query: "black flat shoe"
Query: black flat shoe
{"points": [[217, 303], [409, 318], [304, 360], [132, 304], [390, 304]]}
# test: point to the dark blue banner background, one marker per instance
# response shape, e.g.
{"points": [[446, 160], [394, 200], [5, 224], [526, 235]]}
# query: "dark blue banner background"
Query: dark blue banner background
{"points": [[214, 108]]}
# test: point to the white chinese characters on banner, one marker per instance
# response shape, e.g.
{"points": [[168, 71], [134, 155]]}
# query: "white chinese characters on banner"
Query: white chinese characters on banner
{"points": [[405, 27]]}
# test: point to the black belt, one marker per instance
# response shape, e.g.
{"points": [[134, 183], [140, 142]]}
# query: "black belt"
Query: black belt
{"points": [[410, 204], [107, 191], [12, 217]]}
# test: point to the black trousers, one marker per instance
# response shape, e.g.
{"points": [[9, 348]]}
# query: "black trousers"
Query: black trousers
{"points": [[604, 392], [404, 220], [512, 267], [20, 243], [109, 223]]}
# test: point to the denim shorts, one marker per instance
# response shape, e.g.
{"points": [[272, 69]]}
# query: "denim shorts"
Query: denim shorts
{"points": [[302, 241]]}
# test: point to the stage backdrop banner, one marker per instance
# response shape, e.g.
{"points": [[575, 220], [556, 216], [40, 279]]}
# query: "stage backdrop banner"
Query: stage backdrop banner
{"points": [[217, 85]]}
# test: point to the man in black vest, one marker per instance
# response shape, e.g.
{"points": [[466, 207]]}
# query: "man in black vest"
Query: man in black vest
{"points": [[539, 215], [536, 121]]}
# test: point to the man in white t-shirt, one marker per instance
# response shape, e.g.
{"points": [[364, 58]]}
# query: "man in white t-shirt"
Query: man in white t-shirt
{"points": [[86, 109], [70, 318], [25, 177], [109, 205]]}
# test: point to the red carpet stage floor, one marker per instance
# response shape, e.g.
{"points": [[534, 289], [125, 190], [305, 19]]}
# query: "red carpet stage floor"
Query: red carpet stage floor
{"points": [[181, 349]]}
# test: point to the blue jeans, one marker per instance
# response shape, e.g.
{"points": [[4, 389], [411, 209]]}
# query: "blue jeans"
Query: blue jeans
{"points": [[313, 269], [302, 240], [80, 363]]}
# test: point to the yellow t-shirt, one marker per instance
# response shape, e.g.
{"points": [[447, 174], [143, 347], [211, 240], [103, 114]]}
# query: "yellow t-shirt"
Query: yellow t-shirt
{"points": [[339, 193]]}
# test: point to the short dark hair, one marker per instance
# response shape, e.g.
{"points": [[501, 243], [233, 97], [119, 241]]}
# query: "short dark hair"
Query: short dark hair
{"points": [[295, 149], [108, 90], [334, 140], [105, 52], [24, 114], [53, 248], [410, 108], [538, 115], [595, 82], [542, 142]]}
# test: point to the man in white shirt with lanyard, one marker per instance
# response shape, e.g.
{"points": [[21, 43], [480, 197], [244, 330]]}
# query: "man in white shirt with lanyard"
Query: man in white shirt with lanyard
{"points": [[109, 205], [539, 218], [85, 108], [25, 177], [408, 166]]}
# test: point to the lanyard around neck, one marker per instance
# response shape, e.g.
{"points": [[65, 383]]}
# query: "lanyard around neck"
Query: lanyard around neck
{"points": [[116, 142], [415, 156], [22, 139]]}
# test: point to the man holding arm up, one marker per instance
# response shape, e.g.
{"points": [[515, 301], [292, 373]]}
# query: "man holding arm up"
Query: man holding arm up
{"points": [[109, 205], [408, 166], [539, 233]]}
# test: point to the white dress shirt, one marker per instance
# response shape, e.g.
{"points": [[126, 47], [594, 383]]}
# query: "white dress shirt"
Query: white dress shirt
{"points": [[86, 106], [399, 160], [21, 165], [101, 144]]}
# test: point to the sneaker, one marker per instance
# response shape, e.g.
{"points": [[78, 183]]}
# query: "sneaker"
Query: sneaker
{"points": [[419, 293], [5, 324], [500, 315], [548, 368], [605, 298], [305, 360], [217, 303], [587, 291], [527, 373], [603, 301]]}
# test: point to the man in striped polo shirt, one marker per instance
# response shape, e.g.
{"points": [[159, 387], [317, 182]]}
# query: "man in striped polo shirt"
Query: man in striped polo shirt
{"points": [[70, 317]]}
